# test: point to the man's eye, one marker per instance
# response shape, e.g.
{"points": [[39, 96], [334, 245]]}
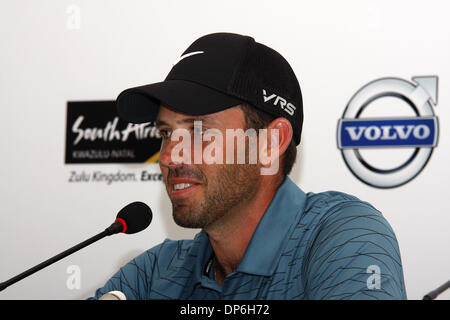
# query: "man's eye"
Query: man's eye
{"points": [[199, 130], [165, 134]]}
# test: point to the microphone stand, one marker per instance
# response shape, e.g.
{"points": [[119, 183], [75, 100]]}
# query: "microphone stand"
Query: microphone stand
{"points": [[116, 227], [433, 294]]}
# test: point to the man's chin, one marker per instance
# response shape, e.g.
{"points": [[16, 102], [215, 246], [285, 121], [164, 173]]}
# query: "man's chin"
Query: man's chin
{"points": [[183, 216], [189, 224]]}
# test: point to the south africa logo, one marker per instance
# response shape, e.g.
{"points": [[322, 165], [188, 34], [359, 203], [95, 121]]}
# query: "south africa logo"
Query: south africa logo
{"points": [[388, 130]]}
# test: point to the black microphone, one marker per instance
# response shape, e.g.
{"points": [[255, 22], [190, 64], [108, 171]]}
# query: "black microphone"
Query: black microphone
{"points": [[133, 218]]}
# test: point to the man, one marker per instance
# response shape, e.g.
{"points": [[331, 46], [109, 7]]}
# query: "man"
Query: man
{"points": [[262, 237]]}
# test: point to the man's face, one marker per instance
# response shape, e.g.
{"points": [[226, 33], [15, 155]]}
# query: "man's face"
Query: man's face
{"points": [[201, 194]]}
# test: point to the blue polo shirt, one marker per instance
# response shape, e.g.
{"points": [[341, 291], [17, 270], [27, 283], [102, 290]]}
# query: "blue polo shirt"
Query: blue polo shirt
{"points": [[328, 245]]}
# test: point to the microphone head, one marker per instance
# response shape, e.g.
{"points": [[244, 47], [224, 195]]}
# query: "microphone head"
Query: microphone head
{"points": [[135, 217]]}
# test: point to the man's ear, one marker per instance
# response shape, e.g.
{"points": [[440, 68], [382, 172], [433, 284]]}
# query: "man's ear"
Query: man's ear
{"points": [[273, 143], [285, 133]]}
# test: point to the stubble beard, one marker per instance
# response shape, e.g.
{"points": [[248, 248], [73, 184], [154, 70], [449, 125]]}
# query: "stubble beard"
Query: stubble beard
{"points": [[230, 187]]}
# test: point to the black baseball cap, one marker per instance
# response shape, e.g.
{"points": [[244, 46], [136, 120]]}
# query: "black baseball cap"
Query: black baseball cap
{"points": [[216, 72]]}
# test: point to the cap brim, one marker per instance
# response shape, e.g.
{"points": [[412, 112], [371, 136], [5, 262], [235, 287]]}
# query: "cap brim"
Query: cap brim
{"points": [[141, 104]]}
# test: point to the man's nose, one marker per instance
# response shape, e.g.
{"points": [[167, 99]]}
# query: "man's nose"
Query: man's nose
{"points": [[172, 157]]}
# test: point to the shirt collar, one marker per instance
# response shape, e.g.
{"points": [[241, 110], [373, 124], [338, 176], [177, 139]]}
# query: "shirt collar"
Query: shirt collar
{"points": [[266, 246], [273, 230]]}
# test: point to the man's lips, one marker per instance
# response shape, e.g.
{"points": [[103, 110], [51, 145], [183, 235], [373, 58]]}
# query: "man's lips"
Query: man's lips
{"points": [[182, 180], [182, 187]]}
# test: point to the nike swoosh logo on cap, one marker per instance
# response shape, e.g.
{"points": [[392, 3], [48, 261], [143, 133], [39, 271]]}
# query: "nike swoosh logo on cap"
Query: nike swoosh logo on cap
{"points": [[187, 55]]}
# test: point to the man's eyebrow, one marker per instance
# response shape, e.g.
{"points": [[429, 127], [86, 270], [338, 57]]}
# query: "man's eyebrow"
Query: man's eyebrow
{"points": [[185, 120], [160, 123]]}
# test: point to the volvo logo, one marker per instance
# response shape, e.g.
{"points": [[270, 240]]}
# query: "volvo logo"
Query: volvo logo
{"points": [[414, 134]]}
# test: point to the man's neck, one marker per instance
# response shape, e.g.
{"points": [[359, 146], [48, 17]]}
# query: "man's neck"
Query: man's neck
{"points": [[230, 235]]}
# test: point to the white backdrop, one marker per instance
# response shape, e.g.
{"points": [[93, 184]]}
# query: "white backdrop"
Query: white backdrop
{"points": [[58, 51]]}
